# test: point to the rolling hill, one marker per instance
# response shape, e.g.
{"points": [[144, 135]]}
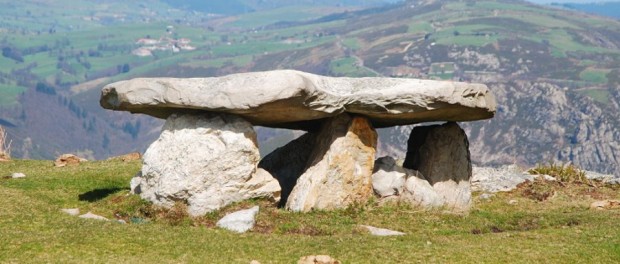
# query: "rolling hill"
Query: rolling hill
{"points": [[555, 72]]}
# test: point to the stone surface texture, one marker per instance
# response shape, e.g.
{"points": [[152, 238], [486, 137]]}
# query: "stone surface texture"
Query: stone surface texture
{"points": [[498, 179], [71, 211], [318, 259], [90, 215], [240, 221], [507, 177], [287, 98], [441, 154], [17, 175], [392, 182], [207, 161], [388, 179], [340, 166], [605, 178], [375, 231]]}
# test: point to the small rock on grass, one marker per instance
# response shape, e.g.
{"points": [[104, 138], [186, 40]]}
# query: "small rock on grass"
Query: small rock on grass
{"points": [[17, 175], [68, 160], [90, 215], [486, 196], [605, 204], [240, 221], [71, 211], [375, 231], [318, 259]]}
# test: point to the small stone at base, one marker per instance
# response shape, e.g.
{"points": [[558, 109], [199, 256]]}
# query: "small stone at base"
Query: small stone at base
{"points": [[71, 211], [17, 175]]}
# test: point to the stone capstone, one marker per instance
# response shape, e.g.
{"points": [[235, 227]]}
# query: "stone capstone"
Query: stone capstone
{"points": [[293, 99], [338, 171], [206, 161], [441, 154]]}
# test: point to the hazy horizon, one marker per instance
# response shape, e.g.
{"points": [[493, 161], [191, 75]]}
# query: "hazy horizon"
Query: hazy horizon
{"points": [[571, 1]]}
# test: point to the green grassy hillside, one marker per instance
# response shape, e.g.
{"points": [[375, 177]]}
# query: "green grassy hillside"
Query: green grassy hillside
{"points": [[515, 227]]}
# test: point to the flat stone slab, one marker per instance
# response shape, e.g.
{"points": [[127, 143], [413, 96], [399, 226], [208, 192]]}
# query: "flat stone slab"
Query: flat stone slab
{"points": [[375, 231], [294, 99]]}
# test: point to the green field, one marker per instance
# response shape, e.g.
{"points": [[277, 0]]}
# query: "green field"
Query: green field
{"points": [[285, 14], [558, 230], [599, 95], [348, 67], [9, 93], [594, 75]]}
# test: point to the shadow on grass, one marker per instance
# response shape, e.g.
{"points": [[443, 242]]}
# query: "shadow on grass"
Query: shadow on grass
{"points": [[98, 194]]}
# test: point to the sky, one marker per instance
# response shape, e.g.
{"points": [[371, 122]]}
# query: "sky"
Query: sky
{"points": [[571, 1]]}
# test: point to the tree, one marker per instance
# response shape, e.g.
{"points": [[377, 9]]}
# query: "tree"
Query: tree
{"points": [[12, 54], [44, 88], [106, 141], [224, 38], [126, 68]]}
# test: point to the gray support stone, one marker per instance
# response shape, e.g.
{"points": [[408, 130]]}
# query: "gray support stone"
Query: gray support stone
{"points": [[441, 154], [339, 168]]}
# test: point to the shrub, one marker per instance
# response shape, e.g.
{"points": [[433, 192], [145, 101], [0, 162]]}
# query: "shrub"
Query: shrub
{"points": [[568, 173]]}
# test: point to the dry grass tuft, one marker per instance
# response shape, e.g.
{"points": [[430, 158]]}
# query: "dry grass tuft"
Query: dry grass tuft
{"points": [[568, 173], [5, 145]]}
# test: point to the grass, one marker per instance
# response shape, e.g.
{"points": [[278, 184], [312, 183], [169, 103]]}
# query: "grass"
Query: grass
{"points": [[598, 95], [556, 230], [594, 75], [9, 94], [349, 67], [447, 37], [260, 19], [352, 43]]}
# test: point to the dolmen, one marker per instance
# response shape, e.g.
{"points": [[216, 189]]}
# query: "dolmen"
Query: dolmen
{"points": [[207, 154]]}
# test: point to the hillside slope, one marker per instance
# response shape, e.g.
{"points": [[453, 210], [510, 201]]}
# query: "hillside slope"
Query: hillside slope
{"points": [[555, 73]]}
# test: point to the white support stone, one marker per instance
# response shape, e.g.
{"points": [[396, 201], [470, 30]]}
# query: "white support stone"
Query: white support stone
{"points": [[206, 161]]}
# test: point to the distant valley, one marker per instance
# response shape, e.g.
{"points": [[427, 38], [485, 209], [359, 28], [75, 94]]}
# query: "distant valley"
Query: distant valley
{"points": [[554, 71]]}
